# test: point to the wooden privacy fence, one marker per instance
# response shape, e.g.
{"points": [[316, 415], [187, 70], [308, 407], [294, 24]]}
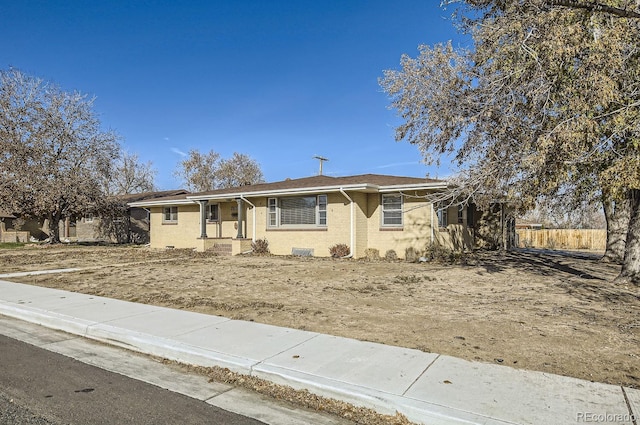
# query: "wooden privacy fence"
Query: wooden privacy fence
{"points": [[594, 239]]}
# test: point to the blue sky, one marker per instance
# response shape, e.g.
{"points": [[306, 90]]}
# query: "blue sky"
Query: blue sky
{"points": [[280, 81]]}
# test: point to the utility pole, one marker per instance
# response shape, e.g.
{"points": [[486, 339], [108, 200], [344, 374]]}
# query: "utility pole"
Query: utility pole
{"points": [[321, 159]]}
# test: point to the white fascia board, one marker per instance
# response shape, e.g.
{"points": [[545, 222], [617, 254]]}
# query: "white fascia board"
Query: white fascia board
{"points": [[161, 203], [283, 192], [404, 187]]}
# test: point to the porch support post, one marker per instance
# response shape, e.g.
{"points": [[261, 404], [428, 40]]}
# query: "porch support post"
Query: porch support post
{"points": [[240, 204], [203, 219]]}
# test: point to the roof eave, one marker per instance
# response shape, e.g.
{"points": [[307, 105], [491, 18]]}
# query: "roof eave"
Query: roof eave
{"points": [[156, 203], [296, 191], [413, 186]]}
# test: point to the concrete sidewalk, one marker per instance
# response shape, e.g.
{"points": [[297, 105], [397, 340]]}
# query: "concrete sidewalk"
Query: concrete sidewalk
{"points": [[428, 388]]}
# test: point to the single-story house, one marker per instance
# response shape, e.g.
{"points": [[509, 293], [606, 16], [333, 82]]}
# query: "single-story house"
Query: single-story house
{"points": [[132, 226], [307, 216]]}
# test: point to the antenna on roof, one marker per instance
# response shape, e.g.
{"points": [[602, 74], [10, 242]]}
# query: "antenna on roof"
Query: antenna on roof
{"points": [[322, 160]]}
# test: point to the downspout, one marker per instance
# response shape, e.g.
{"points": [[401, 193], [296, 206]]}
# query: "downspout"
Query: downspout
{"points": [[253, 237], [352, 237], [433, 236]]}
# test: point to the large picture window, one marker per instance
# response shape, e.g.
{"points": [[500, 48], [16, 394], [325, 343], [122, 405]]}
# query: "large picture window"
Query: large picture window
{"points": [[392, 210], [170, 215], [297, 211]]}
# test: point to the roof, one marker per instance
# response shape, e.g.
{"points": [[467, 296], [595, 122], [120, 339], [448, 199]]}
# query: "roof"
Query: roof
{"points": [[135, 197], [372, 183], [6, 214]]}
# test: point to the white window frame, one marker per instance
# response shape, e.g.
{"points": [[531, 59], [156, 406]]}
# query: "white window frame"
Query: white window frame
{"points": [[88, 218], [391, 213], [460, 214], [211, 216], [172, 213], [274, 213], [322, 203], [443, 215]]}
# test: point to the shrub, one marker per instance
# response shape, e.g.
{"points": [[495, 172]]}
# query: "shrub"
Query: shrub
{"points": [[339, 250], [438, 253], [372, 254], [551, 243], [391, 255], [260, 246], [411, 255]]}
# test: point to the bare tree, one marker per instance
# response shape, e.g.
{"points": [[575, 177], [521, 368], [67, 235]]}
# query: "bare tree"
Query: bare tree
{"points": [[129, 175], [52, 150], [204, 172]]}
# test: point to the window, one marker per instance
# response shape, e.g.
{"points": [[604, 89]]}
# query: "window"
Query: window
{"points": [[443, 218], [170, 215], [460, 214], [213, 213], [88, 218], [392, 210], [272, 212], [322, 210], [297, 211]]}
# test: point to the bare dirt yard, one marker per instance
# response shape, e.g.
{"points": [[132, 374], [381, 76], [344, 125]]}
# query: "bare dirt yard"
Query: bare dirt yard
{"points": [[544, 311]]}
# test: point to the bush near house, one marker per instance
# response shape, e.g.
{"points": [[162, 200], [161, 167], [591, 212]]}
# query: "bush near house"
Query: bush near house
{"points": [[260, 246], [391, 255], [339, 250]]}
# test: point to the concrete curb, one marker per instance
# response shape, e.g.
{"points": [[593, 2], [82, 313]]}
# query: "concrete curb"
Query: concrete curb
{"points": [[425, 387], [145, 343]]}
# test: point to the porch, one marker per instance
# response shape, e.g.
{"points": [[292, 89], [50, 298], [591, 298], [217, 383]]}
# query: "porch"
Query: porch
{"points": [[224, 246]]}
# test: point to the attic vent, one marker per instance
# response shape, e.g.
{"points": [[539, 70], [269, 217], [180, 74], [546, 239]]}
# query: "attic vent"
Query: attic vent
{"points": [[302, 252]]}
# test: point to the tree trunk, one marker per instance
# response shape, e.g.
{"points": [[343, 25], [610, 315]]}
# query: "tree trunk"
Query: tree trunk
{"points": [[617, 217], [54, 227], [630, 272]]}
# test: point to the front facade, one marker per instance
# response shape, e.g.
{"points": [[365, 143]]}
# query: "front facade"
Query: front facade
{"points": [[307, 216]]}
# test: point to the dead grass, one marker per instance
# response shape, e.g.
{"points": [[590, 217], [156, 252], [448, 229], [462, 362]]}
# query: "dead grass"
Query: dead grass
{"points": [[533, 310]]}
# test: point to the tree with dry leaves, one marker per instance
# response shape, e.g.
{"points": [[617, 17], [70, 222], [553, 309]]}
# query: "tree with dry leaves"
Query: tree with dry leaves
{"points": [[53, 152], [239, 170], [545, 103], [204, 172]]}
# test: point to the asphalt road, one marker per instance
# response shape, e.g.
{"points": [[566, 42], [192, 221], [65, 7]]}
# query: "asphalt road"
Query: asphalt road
{"points": [[41, 388]]}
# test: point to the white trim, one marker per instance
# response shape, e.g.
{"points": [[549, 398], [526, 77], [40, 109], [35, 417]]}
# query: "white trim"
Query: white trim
{"points": [[352, 235], [285, 192], [382, 210], [164, 220], [160, 203], [364, 187], [401, 187], [253, 238]]}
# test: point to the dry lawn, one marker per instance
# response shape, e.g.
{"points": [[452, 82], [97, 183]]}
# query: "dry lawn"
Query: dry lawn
{"points": [[550, 312]]}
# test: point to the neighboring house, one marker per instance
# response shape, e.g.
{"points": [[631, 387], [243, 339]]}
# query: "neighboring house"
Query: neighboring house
{"points": [[7, 231], [131, 227], [527, 224], [309, 215], [24, 229]]}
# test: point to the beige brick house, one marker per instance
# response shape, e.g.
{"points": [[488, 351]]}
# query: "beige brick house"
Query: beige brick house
{"points": [[307, 216]]}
